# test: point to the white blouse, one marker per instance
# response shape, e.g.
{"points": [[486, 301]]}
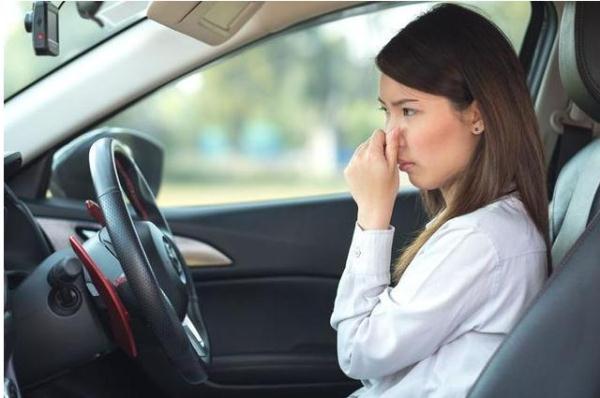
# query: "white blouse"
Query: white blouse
{"points": [[432, 334]]}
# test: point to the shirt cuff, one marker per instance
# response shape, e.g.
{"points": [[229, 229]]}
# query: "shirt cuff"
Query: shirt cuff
{"points": [[371, 251]]}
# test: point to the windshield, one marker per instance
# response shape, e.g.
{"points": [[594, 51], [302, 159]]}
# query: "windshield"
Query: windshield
{"points": [[22, 67]]}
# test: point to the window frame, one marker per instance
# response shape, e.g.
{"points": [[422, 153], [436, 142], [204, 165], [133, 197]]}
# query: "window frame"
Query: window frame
{"points": [[73, 59], [534, 54]]}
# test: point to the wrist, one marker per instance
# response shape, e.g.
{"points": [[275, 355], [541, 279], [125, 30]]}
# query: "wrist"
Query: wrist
{"points": [[370, 222]]}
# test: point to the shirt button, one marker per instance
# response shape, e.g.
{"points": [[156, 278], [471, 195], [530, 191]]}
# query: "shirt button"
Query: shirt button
{"points": [[357, 252]]}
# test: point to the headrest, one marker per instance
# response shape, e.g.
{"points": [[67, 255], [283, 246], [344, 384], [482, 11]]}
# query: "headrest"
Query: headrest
{"points": [[579, 55]]}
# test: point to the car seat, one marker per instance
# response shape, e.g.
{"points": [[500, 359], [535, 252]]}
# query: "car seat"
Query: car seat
{"points": [[554, 350]]}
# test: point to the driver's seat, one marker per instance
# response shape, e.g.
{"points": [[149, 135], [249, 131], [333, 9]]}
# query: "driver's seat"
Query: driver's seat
{"points": [[554, 350]]}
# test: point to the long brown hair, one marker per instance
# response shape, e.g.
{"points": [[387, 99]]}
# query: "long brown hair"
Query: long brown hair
{"points": [[454, 52]]}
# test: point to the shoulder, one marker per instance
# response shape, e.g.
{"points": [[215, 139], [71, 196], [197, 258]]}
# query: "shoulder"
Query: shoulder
{"points": [[457, 260], [506, 225]]}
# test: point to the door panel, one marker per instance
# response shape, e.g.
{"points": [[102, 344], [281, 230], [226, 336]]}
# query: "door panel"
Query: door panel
{"points": [[268, 313]]}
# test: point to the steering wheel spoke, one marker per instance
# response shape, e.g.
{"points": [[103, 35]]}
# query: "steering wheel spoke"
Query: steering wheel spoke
{"points": [[195, 338]]}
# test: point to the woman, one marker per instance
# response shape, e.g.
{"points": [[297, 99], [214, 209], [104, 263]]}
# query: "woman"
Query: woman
{"points": [[460, 122]]}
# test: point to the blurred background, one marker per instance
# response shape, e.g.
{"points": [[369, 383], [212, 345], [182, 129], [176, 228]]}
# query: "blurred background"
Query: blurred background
{"points": [[279, 119]]}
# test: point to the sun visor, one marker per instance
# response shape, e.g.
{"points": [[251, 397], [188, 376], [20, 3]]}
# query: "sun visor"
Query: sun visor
{"points": [[212, 22]]}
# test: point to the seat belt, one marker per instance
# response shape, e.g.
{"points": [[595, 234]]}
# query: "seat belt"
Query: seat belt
{"points": [[578, 212]]}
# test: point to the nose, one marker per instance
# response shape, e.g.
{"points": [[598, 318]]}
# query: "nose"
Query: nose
{"points": [[401, 133], [395, 121]]}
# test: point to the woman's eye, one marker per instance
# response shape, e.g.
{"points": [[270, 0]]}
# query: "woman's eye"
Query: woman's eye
{"points": [[381, 108], [408, 111]]}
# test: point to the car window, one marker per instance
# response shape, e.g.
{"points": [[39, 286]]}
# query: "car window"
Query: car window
{"points": [[22, 67], [282, 118]]}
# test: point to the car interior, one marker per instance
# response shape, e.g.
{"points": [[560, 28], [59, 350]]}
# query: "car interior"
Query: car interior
{"points": [[109, 293]]}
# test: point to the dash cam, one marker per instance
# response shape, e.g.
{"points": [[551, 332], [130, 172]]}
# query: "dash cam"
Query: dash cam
{"points": [[42, 22]]}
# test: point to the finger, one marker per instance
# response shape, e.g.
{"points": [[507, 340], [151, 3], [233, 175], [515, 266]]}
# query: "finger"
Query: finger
{"points": [[358, 152], [392, 142], [361, 148], [377, 142]]}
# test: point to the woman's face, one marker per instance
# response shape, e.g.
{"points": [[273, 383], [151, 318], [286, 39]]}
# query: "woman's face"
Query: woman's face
{"points": [[434, 136]]}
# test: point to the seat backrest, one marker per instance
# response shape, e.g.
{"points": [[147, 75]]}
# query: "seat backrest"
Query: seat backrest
{"points": [[575, 198], [575, 201], [554, 350]]}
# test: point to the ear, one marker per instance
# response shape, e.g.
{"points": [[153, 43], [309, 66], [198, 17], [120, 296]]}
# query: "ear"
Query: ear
{"points": [[475, 119]]}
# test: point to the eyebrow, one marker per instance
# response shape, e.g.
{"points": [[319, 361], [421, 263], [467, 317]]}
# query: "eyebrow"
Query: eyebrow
{"points": [[399, 102]]}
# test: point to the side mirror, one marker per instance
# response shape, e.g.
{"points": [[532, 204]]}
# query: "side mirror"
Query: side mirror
{"points": [[71, 176]]}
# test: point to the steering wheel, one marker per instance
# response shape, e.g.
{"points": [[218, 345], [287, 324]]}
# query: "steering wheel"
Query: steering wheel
{"points": [[155, 270]]}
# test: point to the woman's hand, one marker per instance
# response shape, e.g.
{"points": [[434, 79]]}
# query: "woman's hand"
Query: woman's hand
{"points": [[373, 178]]}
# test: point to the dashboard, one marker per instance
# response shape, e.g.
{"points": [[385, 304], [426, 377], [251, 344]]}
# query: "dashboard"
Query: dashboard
{"points": [[25, 244], [24, 248], [31, 290]]}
